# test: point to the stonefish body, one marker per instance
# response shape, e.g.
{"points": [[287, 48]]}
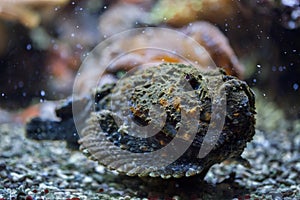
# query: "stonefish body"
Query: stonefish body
{"points": [[156, 121]]}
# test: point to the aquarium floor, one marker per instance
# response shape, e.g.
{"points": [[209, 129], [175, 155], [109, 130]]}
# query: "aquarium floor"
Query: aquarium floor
{"points": [[48, 170]]}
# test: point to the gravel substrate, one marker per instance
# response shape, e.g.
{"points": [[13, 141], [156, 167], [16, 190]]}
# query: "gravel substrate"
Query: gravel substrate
{"points": [[48, 170]]}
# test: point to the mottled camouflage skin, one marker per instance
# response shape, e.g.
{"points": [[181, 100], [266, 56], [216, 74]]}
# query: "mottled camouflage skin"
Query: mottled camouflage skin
{"points": [[166, 86]]}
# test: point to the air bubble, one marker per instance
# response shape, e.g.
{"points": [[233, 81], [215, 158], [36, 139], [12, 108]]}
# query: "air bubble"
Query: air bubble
{"points": [[79, 46], [295, 86], [290, 3], [20, 84], [43, 93], [280, 68], [28, 47]]}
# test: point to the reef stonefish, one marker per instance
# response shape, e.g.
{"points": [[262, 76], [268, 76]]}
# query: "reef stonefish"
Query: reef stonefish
{"points": [[169, 107]]}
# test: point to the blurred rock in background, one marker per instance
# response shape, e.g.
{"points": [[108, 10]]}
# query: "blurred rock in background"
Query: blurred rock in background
{"points": [[44, 43]]}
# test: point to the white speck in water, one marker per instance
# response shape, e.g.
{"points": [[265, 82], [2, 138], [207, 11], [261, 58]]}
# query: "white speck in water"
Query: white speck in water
{"points": [[292, 25], [28, 47], [73, 2], [24, 94], [258, 66], [79, 46], [295, 86], [165, 19], [254, 80], [43, 93], [77, 27], [56, 9], [55, 47], [105, 7], [3, 94], [290, 3], [20, 84], [281, 68], [73, 34]]}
